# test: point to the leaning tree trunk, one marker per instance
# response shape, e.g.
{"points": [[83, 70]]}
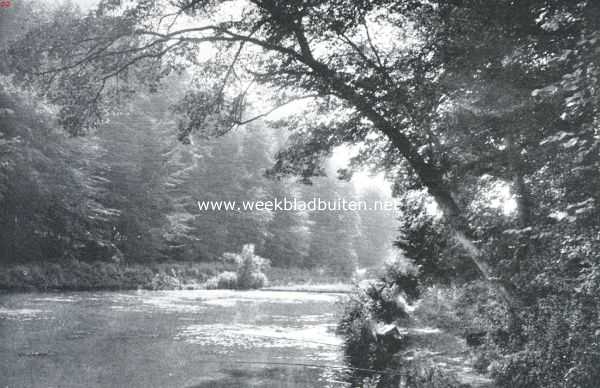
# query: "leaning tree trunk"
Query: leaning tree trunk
{"points": [[432, 179], [430, 175]]}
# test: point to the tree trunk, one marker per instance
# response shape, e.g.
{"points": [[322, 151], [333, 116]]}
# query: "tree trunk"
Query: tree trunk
{"points": [[430, 176], [432, 179]]}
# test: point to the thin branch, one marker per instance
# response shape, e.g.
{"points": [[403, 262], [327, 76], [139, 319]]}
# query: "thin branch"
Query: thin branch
{"points": [[232, 65], [264, 114], [99, 92], [372, 45], [231, 37], [139, 58], [357, 49], [78, 62], [167, 15]]}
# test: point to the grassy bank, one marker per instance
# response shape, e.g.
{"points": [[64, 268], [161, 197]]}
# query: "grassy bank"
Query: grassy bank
{"points": [[76, 275], [82, 276], [292, 277]]}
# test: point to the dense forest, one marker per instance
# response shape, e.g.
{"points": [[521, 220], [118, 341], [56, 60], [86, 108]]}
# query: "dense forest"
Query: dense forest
{"points": [[128, 194], [128, 191], [482, 114]]}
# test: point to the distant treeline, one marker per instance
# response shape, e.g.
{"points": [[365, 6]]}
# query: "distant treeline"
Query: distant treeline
{"points": [[127, 192], [73, 275]]}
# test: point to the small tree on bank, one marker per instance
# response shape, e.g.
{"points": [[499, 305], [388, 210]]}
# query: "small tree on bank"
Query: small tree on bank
{"points": [[248, 272], [249, 268]]}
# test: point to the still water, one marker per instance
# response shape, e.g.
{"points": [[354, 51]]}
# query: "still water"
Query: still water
{"points": [[169, 339]]}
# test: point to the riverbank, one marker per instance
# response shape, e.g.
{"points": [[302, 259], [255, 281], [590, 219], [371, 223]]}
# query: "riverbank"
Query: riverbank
{"points": [[76, 275], [437, 358]]}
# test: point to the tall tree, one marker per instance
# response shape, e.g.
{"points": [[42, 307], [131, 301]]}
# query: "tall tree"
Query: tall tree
{"points": [[383, 70], [385, 81]]}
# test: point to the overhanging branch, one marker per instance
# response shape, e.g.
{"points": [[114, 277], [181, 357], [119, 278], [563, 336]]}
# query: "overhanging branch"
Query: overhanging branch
{"points": [[268, 112]]}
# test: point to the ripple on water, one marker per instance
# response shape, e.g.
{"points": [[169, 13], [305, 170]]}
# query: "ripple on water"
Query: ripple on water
{"points": [[58, 299], [269, 336], [190, 301], [162, 305], [23, 314], [229, 298]]}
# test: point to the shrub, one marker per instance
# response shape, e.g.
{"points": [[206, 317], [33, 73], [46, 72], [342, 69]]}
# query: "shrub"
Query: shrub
{"points": [[256, 280], [226, 280], [249, 268], [562, 348], [355, 327], [248, 273], [367, 353], [367, 307], [100, 275], [437, 308], [384, 302], [165, 281], [429, 376]]}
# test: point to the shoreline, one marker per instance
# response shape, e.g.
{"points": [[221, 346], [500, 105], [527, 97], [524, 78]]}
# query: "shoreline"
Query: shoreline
{"points": [[73, 275]]}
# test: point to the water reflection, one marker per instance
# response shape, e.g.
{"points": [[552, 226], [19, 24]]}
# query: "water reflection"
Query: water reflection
{"points": [[170, 339], [272, 377]]}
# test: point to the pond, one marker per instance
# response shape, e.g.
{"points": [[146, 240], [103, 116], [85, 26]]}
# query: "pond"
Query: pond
{"points": [[193, 338]]}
